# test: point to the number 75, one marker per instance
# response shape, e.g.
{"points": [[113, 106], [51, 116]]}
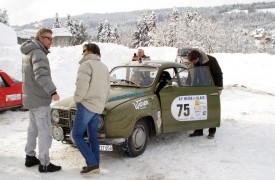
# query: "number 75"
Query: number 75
{"points": [[185, 108]]}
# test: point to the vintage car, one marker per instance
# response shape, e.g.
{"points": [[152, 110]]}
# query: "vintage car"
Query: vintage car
{"points": [[147, 99], [10, 92]]}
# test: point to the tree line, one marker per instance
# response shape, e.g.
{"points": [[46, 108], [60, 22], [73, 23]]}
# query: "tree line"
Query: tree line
{"points": [[222, 29]]}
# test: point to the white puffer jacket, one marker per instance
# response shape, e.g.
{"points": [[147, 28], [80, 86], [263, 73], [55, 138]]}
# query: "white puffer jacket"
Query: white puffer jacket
{"points": [[92, 84]]}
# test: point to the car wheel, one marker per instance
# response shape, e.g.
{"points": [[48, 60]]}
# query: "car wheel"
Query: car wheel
{"points": [[136, 144]]}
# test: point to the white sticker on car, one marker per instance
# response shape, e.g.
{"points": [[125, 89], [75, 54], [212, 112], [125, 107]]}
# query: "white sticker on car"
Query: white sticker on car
{"points": [[13, 97], [140, 104], [189, 108]]}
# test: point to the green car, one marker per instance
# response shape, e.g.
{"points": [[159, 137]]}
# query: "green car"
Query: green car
{"points": [[147, 99]]}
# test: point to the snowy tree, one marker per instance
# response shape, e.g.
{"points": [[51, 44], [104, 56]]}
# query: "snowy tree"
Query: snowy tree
{"points": [[69, 23], [107, 34], [172, 33], [37, 25], [81, 34], [99, 30], [4, 17], [152, 22], [140, 36], [56, 22], [114, 36], [152, 28], [74, 27], [191, 17]]}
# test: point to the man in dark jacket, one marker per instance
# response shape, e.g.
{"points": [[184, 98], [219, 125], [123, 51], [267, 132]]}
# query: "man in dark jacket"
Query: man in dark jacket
{"points": [[199, 58], [38, 92]]}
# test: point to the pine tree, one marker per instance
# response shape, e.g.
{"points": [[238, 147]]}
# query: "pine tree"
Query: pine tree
{"points": [[56, 22], [152, 27], [106, 32], [69, 23], [114, 36], [140, 36], [4, 17], [99, 30], [80, 33], [37, 25], [74, 27], [172, 33]]}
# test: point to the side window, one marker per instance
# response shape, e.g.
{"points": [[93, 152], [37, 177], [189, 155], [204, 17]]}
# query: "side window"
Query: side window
{"points": [[2, 82], [183, 77], [199, 77]]}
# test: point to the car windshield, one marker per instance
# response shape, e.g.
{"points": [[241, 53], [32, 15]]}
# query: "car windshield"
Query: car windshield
{"points": [[136, 76]]}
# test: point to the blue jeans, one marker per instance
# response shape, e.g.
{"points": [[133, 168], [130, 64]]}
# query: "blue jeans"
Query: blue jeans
{"points": [[86, 120]]}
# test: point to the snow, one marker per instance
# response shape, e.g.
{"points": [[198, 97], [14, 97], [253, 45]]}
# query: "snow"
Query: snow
{"points": [[26, 33], [243, 147], [61, 32], [271, 10], [237, 11], [7, 35]]}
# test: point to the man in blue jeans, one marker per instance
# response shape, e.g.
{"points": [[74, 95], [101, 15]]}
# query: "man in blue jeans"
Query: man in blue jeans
{"points": [[92, 89]]}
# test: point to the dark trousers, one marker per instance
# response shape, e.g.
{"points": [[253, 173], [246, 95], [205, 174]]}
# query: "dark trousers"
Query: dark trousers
{"points": [[211, 130]]}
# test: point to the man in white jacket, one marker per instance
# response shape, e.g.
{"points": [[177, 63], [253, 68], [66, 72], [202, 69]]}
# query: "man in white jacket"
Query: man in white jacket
{"points": [[92, 89]]}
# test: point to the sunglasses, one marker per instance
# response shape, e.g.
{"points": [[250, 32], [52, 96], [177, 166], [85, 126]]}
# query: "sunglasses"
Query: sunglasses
{"points": [[49, 38]]}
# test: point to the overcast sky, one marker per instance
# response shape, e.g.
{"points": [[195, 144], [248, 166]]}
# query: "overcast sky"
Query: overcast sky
{"points": [[25, 11]]}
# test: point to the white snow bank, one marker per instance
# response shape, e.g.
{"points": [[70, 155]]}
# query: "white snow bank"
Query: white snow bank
{"points": [[7, 36]]}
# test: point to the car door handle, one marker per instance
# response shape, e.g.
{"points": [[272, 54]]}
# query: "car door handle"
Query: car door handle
{"points": [[214, 94]]}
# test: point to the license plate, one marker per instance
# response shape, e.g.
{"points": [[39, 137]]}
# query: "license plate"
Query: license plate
{"points": [[105, 147]]}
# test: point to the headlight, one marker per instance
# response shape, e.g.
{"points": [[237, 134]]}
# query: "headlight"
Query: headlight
{"points": [[55, 116], [58, 133], [101, 122]]}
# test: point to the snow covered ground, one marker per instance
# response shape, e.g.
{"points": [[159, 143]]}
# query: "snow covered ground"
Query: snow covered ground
{"points": [[242, 149]]}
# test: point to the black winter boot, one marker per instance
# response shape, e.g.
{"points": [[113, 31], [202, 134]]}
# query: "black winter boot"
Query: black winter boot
{"points": [[50, 168], [31, 161], [198, 132]]}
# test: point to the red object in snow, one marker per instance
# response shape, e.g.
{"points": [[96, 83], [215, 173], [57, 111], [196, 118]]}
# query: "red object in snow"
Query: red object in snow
{"points": [[10, 92]]}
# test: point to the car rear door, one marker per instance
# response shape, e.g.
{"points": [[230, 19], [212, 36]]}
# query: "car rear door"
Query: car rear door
{"points": [[191, 101]]}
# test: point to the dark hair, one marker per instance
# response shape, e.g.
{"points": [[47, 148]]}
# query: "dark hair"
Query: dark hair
{"points": [[93, 48], [193, 55]]}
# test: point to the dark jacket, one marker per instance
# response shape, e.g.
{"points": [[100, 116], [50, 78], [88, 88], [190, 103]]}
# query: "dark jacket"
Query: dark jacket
{"points": [[36, 75], [215, 69]]}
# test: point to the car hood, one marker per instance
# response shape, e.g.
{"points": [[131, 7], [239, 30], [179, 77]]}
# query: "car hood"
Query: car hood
{"points": [[121, 95], [66, 104], [116, 97]]}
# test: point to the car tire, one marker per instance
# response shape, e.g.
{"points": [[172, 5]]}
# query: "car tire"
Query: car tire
{"points": [[136, 144]]}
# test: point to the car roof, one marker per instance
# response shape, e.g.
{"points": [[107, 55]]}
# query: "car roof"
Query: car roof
{"points": [[158, 64]]}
